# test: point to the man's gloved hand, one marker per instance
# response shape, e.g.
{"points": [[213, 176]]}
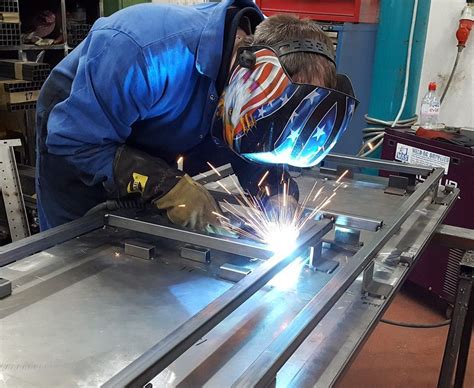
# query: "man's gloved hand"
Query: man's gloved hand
{"points": [[186, 202], [190, 205]]}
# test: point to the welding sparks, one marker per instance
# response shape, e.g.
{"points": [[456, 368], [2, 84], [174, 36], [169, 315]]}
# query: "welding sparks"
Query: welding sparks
{"points": [[214, 169], [278, 228], [263, 178], [179, 163]]}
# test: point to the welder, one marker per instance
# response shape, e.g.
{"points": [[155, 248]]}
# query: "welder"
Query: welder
{"points": [[213, 82]]}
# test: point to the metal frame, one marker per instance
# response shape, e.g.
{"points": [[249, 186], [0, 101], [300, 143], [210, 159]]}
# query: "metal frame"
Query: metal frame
{"points": [[456, 352], [11, 191], [264, 369], [155, 360]]}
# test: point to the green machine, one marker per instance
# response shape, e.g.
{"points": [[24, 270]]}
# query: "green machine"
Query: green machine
{"points": [[111, 6]]}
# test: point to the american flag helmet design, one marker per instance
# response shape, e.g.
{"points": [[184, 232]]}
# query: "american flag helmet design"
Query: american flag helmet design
{"points": [[266, 118]]}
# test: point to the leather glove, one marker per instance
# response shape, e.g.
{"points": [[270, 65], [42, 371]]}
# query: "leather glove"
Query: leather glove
{"points": [[190, 205], [136, 172], [186, 202]]}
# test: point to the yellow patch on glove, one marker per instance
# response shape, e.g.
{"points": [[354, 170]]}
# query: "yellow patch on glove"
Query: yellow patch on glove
{"points": [[137, 184]]}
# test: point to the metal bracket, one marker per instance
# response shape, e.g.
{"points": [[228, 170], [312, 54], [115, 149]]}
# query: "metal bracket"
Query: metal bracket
{"points": [[317, 263], [373, 287], [11, 191], [233, 273], [5, 288], [140, 249], [397, 185], [195, 253]]}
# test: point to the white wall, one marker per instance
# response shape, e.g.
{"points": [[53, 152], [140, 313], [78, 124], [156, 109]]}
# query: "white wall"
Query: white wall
{"points": [[440, 52]]}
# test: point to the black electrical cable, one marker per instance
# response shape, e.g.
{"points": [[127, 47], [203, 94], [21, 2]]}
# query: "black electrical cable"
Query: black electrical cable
{"points": [[417, 325], [458, 55], [115, 204]]}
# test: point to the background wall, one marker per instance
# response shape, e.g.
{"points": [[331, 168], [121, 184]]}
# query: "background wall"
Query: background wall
{"points": [[440, 52]]}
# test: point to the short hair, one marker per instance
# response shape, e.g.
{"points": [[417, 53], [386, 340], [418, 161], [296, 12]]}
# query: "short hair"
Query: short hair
{"points": [[301, 67]]}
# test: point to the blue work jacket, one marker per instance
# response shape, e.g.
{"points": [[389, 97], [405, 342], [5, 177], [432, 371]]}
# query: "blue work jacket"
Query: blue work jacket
{"points": [[145, 77]]}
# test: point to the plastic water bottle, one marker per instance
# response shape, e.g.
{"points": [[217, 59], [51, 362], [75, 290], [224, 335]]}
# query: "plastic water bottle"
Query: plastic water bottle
{"points": [[429, 112]]}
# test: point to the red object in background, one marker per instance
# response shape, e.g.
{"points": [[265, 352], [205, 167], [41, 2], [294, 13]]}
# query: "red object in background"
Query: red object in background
{"points": [[355, 11], [437, 269], [462, 34], [465, 25]]}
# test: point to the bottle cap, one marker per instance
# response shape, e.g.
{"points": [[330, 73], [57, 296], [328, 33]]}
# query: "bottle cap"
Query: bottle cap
{"points": [[432, 86]]}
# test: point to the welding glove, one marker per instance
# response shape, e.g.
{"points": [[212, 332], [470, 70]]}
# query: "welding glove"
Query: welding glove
{"points": [[189, 204], [186, 202]]}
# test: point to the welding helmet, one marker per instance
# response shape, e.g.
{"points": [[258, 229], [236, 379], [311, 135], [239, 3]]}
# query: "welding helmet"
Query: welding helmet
{"points": [[266, 118]]}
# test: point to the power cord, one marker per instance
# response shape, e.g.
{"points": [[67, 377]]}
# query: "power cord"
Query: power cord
{"points": [[417, 325]]}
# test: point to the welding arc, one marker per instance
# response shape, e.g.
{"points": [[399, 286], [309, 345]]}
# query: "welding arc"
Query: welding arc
{"points": [[262, 225]]}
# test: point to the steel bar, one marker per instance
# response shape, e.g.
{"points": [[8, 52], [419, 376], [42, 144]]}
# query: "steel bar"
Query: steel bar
{"points": [[229, 245], [264, 369], [155, 360], [455, 237], [342, 219], [23, 248], [212, 176], [355, 161]]}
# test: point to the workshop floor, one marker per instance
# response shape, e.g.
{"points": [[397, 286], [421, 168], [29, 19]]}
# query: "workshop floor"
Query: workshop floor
{"points": [[402, 357]]}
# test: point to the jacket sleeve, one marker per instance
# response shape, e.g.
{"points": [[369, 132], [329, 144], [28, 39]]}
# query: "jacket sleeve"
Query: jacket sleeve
{"points": [[113, 87]]}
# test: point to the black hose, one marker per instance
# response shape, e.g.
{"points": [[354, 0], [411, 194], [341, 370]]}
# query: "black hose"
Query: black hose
{"points": [[417, 325], [451, 75], [115, 204]]}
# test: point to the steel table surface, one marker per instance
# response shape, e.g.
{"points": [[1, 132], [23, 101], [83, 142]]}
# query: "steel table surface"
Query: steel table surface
{"points": [[83, 310]]}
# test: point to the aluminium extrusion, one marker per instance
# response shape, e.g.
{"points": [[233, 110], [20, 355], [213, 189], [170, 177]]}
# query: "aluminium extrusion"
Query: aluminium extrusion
{"points": [[162, 354], [229, 245], [23, 248], [264, 369]]}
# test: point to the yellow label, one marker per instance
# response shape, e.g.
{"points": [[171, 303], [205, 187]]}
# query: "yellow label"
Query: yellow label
{"points": [[137, 184]]}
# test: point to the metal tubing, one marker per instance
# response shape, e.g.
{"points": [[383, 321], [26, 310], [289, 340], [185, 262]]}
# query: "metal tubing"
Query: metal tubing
{"points": [[355, 161], [212, 176], [23, 248], [264, 369], [235, 246], [155, 360]]}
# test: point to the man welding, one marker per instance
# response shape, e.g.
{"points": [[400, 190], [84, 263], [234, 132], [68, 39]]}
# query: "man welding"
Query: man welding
{"points": [[150, 82]]}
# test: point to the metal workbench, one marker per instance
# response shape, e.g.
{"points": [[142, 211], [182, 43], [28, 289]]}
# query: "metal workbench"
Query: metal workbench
{"points": [[85, 313]]}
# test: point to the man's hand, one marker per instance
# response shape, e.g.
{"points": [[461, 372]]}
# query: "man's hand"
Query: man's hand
{"points": [[190, 205], [186, 202]]}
